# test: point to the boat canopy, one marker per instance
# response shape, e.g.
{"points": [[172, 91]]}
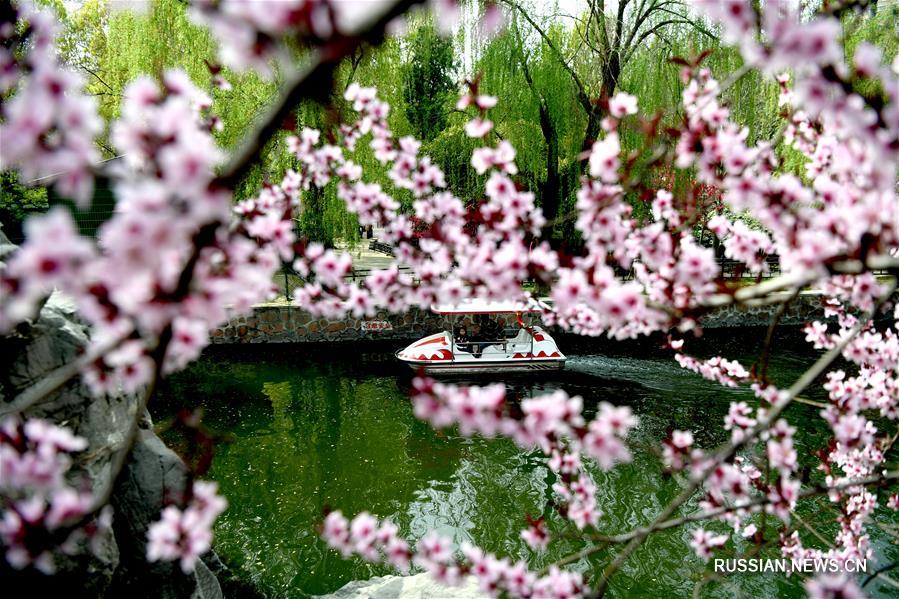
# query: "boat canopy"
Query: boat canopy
{"points": [[479, 306]]}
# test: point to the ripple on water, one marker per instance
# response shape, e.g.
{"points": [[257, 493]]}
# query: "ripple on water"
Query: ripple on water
{"points": [[341, 434]]}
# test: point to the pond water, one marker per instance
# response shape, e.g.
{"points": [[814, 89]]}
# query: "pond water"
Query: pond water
{"points": [[317, 426]]}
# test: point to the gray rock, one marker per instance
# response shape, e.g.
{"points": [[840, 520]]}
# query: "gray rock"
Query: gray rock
{"points": [[419, 586], [153, 474], [56, 338], [6, 246]]}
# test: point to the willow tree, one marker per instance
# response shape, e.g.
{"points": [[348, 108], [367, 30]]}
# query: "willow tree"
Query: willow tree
{"points": [[428, 81], [112, 47], [606, 40]]}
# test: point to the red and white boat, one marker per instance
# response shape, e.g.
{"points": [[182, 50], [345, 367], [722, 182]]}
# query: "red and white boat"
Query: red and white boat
{"points": [[517, 348]]}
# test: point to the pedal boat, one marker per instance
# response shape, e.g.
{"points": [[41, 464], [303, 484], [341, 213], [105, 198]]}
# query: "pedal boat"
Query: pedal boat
{"points": [[522, 348]]}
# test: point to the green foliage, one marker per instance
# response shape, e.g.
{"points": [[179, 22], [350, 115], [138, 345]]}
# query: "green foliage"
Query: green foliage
{"points": [[881, 30], [112, 47], [451, 151], [418, 75], [517, 115], [17, 202], [162, 39], [428, 82]]}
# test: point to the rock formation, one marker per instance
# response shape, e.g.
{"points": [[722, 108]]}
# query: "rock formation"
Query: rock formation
{"points": [[152, 474]]}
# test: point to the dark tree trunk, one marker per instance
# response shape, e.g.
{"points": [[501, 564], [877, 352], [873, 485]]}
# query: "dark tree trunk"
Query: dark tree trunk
{"points": [[610, 74], [550, 191]]}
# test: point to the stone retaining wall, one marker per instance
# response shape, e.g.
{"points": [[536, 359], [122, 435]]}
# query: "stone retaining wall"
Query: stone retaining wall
{"points": [[287, 324], [807, 306]]}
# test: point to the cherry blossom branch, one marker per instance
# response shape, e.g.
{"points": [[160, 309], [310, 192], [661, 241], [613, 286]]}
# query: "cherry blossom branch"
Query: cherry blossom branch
{"points": [[103, 497], [769, 336], [313, 81], [817, 490], [54, 380], [820, 489], [731, 448], [879, 573], [172, 297], [827, 543], [815, 533], [799, 279], [202, 239]]}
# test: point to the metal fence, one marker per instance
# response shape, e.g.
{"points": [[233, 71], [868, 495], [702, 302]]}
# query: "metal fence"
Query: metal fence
{"points": [[289, 280]]}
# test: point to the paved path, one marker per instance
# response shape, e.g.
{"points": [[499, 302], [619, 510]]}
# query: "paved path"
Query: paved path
{"points": [[364, 258]]}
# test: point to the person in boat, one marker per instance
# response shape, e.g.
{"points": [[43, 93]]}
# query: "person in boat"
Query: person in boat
{"points": [[487, 333], [476, 336], [491, 330], [461, 338]]}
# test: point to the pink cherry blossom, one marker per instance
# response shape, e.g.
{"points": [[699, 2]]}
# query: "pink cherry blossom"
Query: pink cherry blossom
{"points": [[622, 104], [34, 467], [677, 449], [49, 125], [704, 542], [833, 586], [536, 535], [185, 534], [604, 161], [478, 127]]}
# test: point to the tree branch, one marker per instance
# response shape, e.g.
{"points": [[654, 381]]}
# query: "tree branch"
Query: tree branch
{"points": [[654, 29], [583, 96], [755, 502], [728, 451], [204, 238], [100, 79], [55, 379], [641, 18], [619, 25], [313, 81], [769, 337]]}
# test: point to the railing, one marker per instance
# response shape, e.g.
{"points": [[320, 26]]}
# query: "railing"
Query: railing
{"points": [[729, 269], [288, 280], [380, 246], [733, 269], [476, 347]]}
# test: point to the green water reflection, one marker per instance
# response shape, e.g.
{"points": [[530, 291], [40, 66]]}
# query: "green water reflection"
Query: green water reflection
{"points": [[312, 428]]}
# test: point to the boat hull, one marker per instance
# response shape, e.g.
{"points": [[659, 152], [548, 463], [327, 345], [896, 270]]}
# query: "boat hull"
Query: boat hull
{"points": [[486, 367], [530, 350]]}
